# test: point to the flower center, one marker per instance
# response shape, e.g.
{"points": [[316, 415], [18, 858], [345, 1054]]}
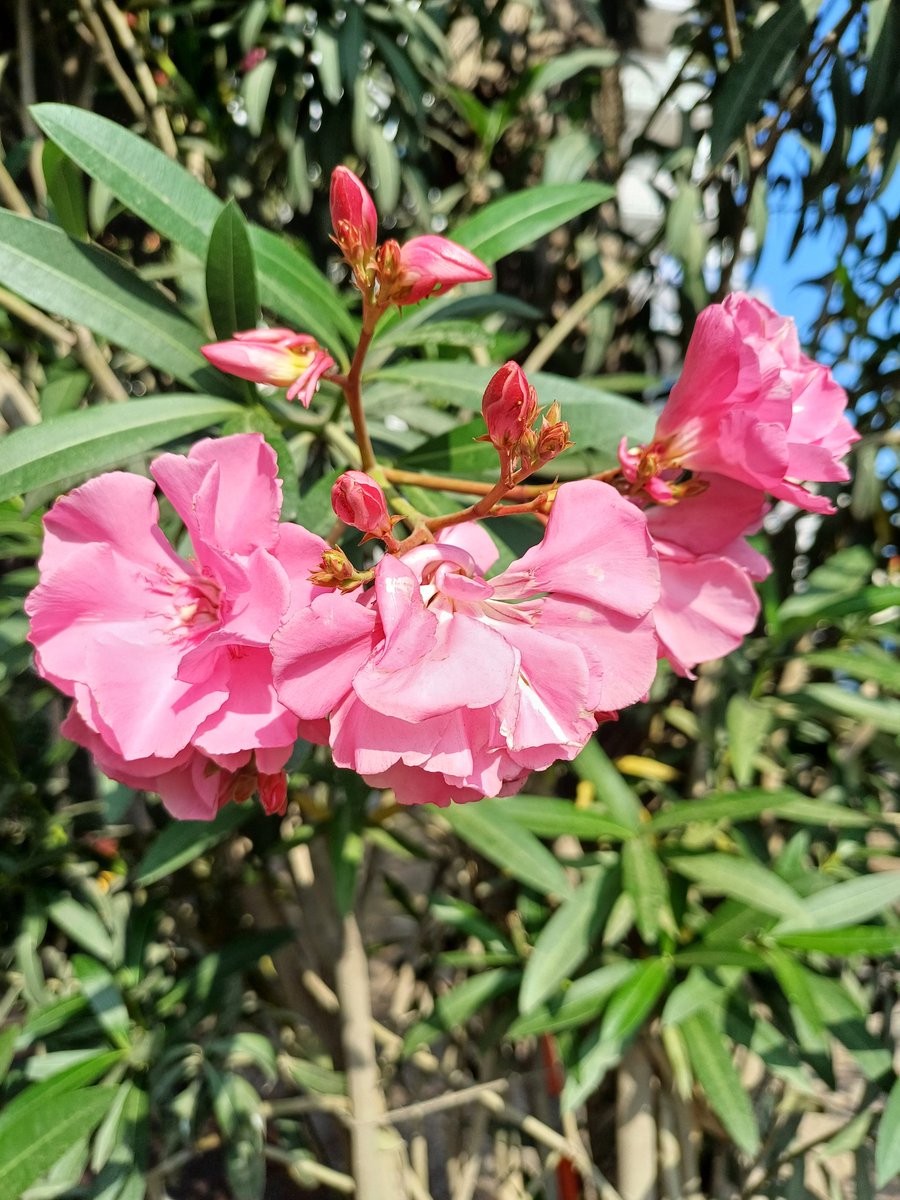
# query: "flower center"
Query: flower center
{"points": [[193, 605]]}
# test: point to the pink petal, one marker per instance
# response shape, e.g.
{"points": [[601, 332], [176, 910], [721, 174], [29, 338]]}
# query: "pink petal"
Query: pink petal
{"points": [[226, 491], [318, 651]]}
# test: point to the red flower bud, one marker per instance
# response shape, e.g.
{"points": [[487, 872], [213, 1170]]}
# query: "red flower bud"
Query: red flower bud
{"points": [[358, 501], [353, 216], [509, 406]]}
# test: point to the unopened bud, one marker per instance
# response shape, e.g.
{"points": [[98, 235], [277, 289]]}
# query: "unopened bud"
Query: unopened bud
{"points": [[358, 501], [353, 215], [553, 438], [509, 406], [337, 571]]}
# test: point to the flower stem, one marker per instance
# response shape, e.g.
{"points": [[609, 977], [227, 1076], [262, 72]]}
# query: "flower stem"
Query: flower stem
{"points": [[465, 487], [352, 385]]}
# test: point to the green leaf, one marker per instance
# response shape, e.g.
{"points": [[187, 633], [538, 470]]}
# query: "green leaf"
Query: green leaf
{"points": [[880, 90], [863, 663], [581, 1002], [66, 191], [148, 182], [179, 207], [748, 81], [799, 987], [86, 284], [236, 1104], [8, 1038], [887, 1148], [83, 926], [563, 68], [883, 713], [550, 817], [38, 1137], [855, 900], [747, 722], [712, 1065], [733, 807], [741, 879], [514, 222], [183, 841], [508, 846], [645, 882], [104, 998], [97, 438], [611, 790], [568, 937], [455, 453], [231, 291], [874, 940], [626, 1011], [454, 1008]]}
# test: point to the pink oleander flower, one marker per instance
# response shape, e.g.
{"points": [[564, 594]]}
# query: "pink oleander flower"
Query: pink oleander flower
{"points": [[751, 406], [353, 216], [166, 655], [707, 602], [277, 356], [445, 685], [358, 500]]}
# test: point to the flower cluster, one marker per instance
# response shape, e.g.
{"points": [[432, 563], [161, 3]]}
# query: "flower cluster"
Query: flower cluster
{"points": [[193, 674], [166, 657]]}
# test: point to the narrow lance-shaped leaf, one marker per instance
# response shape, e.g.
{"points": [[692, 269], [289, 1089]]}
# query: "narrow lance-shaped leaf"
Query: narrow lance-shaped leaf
{"points": [[568, 937], [508, 846], [712, 1064], [85, 284], [749, 80], [514, 222], [95, 439], [40, 1137], [66, 191], [231, 291]]}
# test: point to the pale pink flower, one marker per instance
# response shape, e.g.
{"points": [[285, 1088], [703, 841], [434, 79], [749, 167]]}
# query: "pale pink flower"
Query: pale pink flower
{"points": [[445, 685], [751, 406], [353, 216], [358, 500], [280, 357], [162, 652], [707, 602]]}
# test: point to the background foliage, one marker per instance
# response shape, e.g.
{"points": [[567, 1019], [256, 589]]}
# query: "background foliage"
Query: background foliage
{"points": [[692, 933]]}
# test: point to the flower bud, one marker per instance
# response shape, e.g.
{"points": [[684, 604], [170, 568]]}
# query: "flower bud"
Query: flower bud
{"points": [[428, 264], [337, 571], [509, 406], [353, 216], [358, 501], [277, 356], [553, 437]]}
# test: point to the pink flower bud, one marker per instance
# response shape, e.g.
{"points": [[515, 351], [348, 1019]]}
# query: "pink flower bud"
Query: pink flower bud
{"points": [[358, 501], [277, 356], [353, 215], [433, 263], [509, 406]]}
